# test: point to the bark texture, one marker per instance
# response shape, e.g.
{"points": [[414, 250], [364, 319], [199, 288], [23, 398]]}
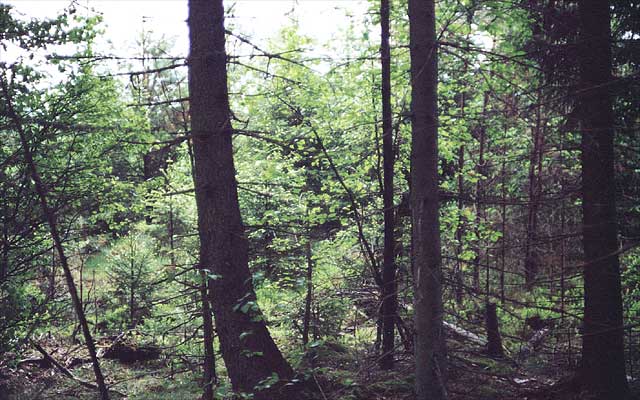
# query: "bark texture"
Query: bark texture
{"points": [[603, 367], [250, 354], [427, 259], [494, 340], [389, 296], [209, 362]]}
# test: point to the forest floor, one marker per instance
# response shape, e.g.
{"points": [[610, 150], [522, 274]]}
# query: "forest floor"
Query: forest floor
{"points": [[340, 375]]}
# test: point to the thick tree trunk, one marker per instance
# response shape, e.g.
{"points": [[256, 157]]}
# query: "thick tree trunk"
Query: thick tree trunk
{"points": [[249, 352], [603, 367], [494, 340], [52, 222], [389, 295], [209, 366], [430, 354]]}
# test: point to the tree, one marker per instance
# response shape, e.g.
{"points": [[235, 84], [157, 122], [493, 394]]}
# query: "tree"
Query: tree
{"points": [[250, 354], [603, 366], [389, 295], [430, 355], [131, 265], [52, 222], [22, 103]]}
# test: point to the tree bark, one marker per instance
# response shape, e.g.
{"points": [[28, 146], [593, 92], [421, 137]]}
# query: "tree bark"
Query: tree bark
{"points": [[249, 352], [389, 293], [52, 222], [459, 280], [531, 259], [430, 354], [494, 340], [603, 366], [306, 323], [480, 214], [209, 366]]}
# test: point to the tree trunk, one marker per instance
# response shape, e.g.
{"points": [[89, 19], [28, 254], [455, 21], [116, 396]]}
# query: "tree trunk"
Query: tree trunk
{"points": [[430, 354], [494, 341], [531, 261], [459, 281], [306, 323], [51, 219], [603, 367], [481, 171], [503, 225], [4, 255], [389, 295], [209, 366], [249, 352], [132, 285]]}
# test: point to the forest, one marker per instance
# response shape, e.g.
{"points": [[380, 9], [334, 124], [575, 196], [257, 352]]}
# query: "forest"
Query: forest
{"points": [[445, 205]]}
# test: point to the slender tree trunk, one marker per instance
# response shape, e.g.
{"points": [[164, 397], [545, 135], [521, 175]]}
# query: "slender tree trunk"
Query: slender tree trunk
{"points": [[209, 366], [51, 219], [430, 351], [132, 285], [531, 253], [95, 303], [503, 227], [603, 366], [481, 171], [51, 276], [459, 281], [4, 256], [389, 295], [171, 229], [306, 323], [249, 352]]}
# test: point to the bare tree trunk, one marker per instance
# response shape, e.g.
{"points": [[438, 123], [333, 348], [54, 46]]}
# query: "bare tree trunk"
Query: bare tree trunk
{"points": [[51, 219], [481, 171], [494, 340], [4, 256], [430, 352], [132, 285], [503, 227], [603, 366], [209, 366], [171, 229], [306, 323], [389, 293], [531, 261], [459, 281], [249, 352]]}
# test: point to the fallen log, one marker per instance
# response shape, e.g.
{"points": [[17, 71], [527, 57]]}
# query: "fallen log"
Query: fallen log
{"points": [[66, 371], [465, 334], [62, 368], [38, 362]]}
